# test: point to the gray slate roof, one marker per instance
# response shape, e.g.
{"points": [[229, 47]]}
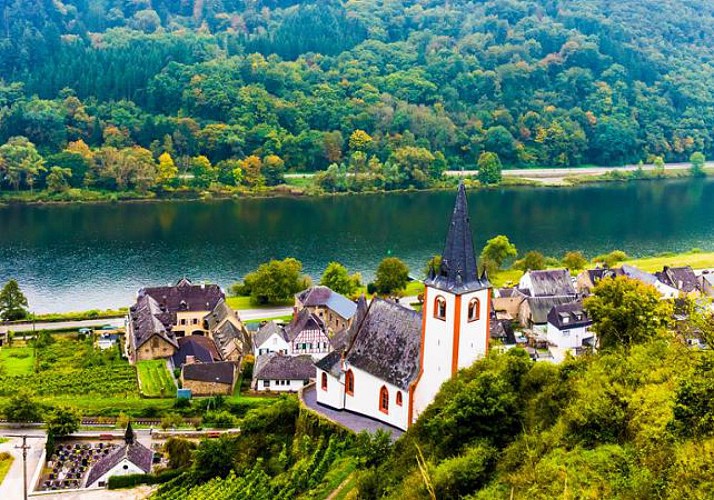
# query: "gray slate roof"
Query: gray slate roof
{"points": [[196, 346], [502, 329], [305, 320], [221, 372], [551, 283], [228, 332], [458, 272], [266, 331], [218, 314], [681, 278], [136, 453], [322, 296], [541, 306], [276, 366], [596, 275], [638, 274], [570, 315], [145, 317], [385, 342]]}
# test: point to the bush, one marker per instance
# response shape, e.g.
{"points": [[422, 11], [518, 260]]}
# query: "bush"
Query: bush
{"points": [[132, 480], [220, 419]]}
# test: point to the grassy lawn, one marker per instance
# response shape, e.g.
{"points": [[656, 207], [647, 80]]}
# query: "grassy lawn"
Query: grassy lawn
{"points": [[698, 260], [286, 318], [5, 464], [507, 276], [17, 360], [156, 381], [239, 303]]}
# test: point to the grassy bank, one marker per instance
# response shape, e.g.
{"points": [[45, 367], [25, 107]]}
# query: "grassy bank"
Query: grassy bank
{"points": [[242, 303], [5, 463], [698, 260]]}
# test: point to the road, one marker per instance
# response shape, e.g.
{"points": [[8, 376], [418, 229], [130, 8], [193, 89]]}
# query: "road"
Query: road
{"points": [[62, 325], [557, 173], [11, 487]]}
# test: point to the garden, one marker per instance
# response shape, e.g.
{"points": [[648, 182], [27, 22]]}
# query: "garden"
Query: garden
{"points": [[155, 379]]}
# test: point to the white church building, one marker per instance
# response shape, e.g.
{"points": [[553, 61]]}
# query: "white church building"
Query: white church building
{"points": [[396, 359]]}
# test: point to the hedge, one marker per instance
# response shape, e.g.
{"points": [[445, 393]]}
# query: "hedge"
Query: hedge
{"points": [[132, 480]]}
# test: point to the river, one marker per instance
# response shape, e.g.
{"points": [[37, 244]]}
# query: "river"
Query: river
{"points": [[85, 256]]}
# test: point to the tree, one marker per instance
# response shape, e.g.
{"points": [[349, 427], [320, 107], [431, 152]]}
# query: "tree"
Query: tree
{"points": [[610, 259], [574, 261], [19, 159], [391, 277], [13, 304], [22, 407], [273, 170], [433, 263], [360, 141], [626, 311], [171, 421], [275, 281], [251, 170], [489, 168], [167, 171], [338, 279], [204, 174], [496, 251], [697, 160], [215, 457], [180, 452], [659, 166], [532, 261], [58, 179], [62, 421]]}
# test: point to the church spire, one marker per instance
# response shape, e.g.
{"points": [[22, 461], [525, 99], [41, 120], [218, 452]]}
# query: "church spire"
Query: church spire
{"points": [[459, 272], [129, 436]]}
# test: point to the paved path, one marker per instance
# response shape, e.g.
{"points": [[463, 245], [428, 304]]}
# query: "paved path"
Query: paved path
{"points": [[272, 312], [11, 487], [62, 325], [350, 420]]}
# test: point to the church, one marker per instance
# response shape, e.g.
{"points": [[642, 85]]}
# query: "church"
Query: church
{"points": [[393, 360]]}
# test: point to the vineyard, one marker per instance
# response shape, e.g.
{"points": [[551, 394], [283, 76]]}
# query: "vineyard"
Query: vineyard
{"points": [[155, 379], [305, 475], [68, 367]]}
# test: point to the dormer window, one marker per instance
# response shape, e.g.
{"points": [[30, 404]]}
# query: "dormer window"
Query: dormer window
{"points": [[440, 308], [474, 310]]}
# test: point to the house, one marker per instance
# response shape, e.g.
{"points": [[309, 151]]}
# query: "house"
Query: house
{"points": [[534, 312], [394, 359], [227, 330], [547, 283], [270, 338], [706, 283], [131, 458], [507, 302], [195, 348], [569, 326], [586, 280], [107, 340], [666, 291], [209, 379], [161, 315], [334, 309], [502, 330], [278, 372], [307, 334], [682, 279]]}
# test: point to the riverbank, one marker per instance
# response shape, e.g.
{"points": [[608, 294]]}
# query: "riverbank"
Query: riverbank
{"points": [[301, 185]]}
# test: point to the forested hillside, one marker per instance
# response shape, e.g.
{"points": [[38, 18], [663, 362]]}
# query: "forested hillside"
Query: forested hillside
{"points": [[398, 88]]}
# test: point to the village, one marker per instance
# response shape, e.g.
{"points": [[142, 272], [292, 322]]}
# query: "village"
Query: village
{"points": [[367, 364]]}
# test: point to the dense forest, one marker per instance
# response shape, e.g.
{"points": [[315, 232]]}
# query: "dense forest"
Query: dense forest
{"points": [[235, 92]]}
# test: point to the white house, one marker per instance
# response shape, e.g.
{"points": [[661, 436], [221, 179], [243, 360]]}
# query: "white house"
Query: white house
{"points": [[270, 338], [569, 326], [395, 359], [666, 291], [131, 458], [307, 334], [278, 372]]}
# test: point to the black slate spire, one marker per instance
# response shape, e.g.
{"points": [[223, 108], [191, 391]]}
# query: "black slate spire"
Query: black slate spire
{"points": [[129, 436], [459, 272]]}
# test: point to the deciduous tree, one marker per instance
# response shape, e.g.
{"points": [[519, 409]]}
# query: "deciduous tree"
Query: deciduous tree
{"points": [[392, 276], [13, 303], [338, 279]]}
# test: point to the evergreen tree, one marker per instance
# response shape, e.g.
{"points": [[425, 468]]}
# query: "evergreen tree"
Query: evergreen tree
{"points": [[13, 304]]}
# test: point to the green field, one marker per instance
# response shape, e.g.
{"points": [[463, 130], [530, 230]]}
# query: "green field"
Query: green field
{"points": [[156, 381], [17, 360], [240, 303], [698, 260]]}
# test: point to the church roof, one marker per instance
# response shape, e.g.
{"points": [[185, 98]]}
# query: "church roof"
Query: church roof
{"points": [[459, 271], [385, 341], [134, 452]]}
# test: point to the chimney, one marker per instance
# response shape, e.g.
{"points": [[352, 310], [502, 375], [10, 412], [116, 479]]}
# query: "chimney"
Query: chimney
{"points": [[190, 360]]}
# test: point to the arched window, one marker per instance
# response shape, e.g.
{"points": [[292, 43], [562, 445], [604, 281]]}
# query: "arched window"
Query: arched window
{"points": [[440, 307], [384, 400], [350, 383], [399, 398], [474, 310], [324, 381]]}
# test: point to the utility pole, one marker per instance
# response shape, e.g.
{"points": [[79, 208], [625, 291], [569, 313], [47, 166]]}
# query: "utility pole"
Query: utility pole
{"points": [[24, 449]]}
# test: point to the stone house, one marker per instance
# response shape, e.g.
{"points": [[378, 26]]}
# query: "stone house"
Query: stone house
{"points": [[334, 309], [209, 379], [587, 279]]}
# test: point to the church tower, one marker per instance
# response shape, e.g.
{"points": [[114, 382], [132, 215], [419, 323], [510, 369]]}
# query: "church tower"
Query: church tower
{"points": [[455, 314]]}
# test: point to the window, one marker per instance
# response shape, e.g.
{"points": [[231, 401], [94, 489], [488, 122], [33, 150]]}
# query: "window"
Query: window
{"points": [[474, 310], [350, 383], [266, 383], [195, 321], [440, 308], [566, 333], [324, 381], [399, 398], [384, 400], [183, 321]]}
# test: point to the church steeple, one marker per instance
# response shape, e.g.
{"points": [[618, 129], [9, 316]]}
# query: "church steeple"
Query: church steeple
{"points": [[129, 436], [458, 272]]}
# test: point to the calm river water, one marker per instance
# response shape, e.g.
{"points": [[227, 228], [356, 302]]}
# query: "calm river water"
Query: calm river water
{"points": [[76, 257]]}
